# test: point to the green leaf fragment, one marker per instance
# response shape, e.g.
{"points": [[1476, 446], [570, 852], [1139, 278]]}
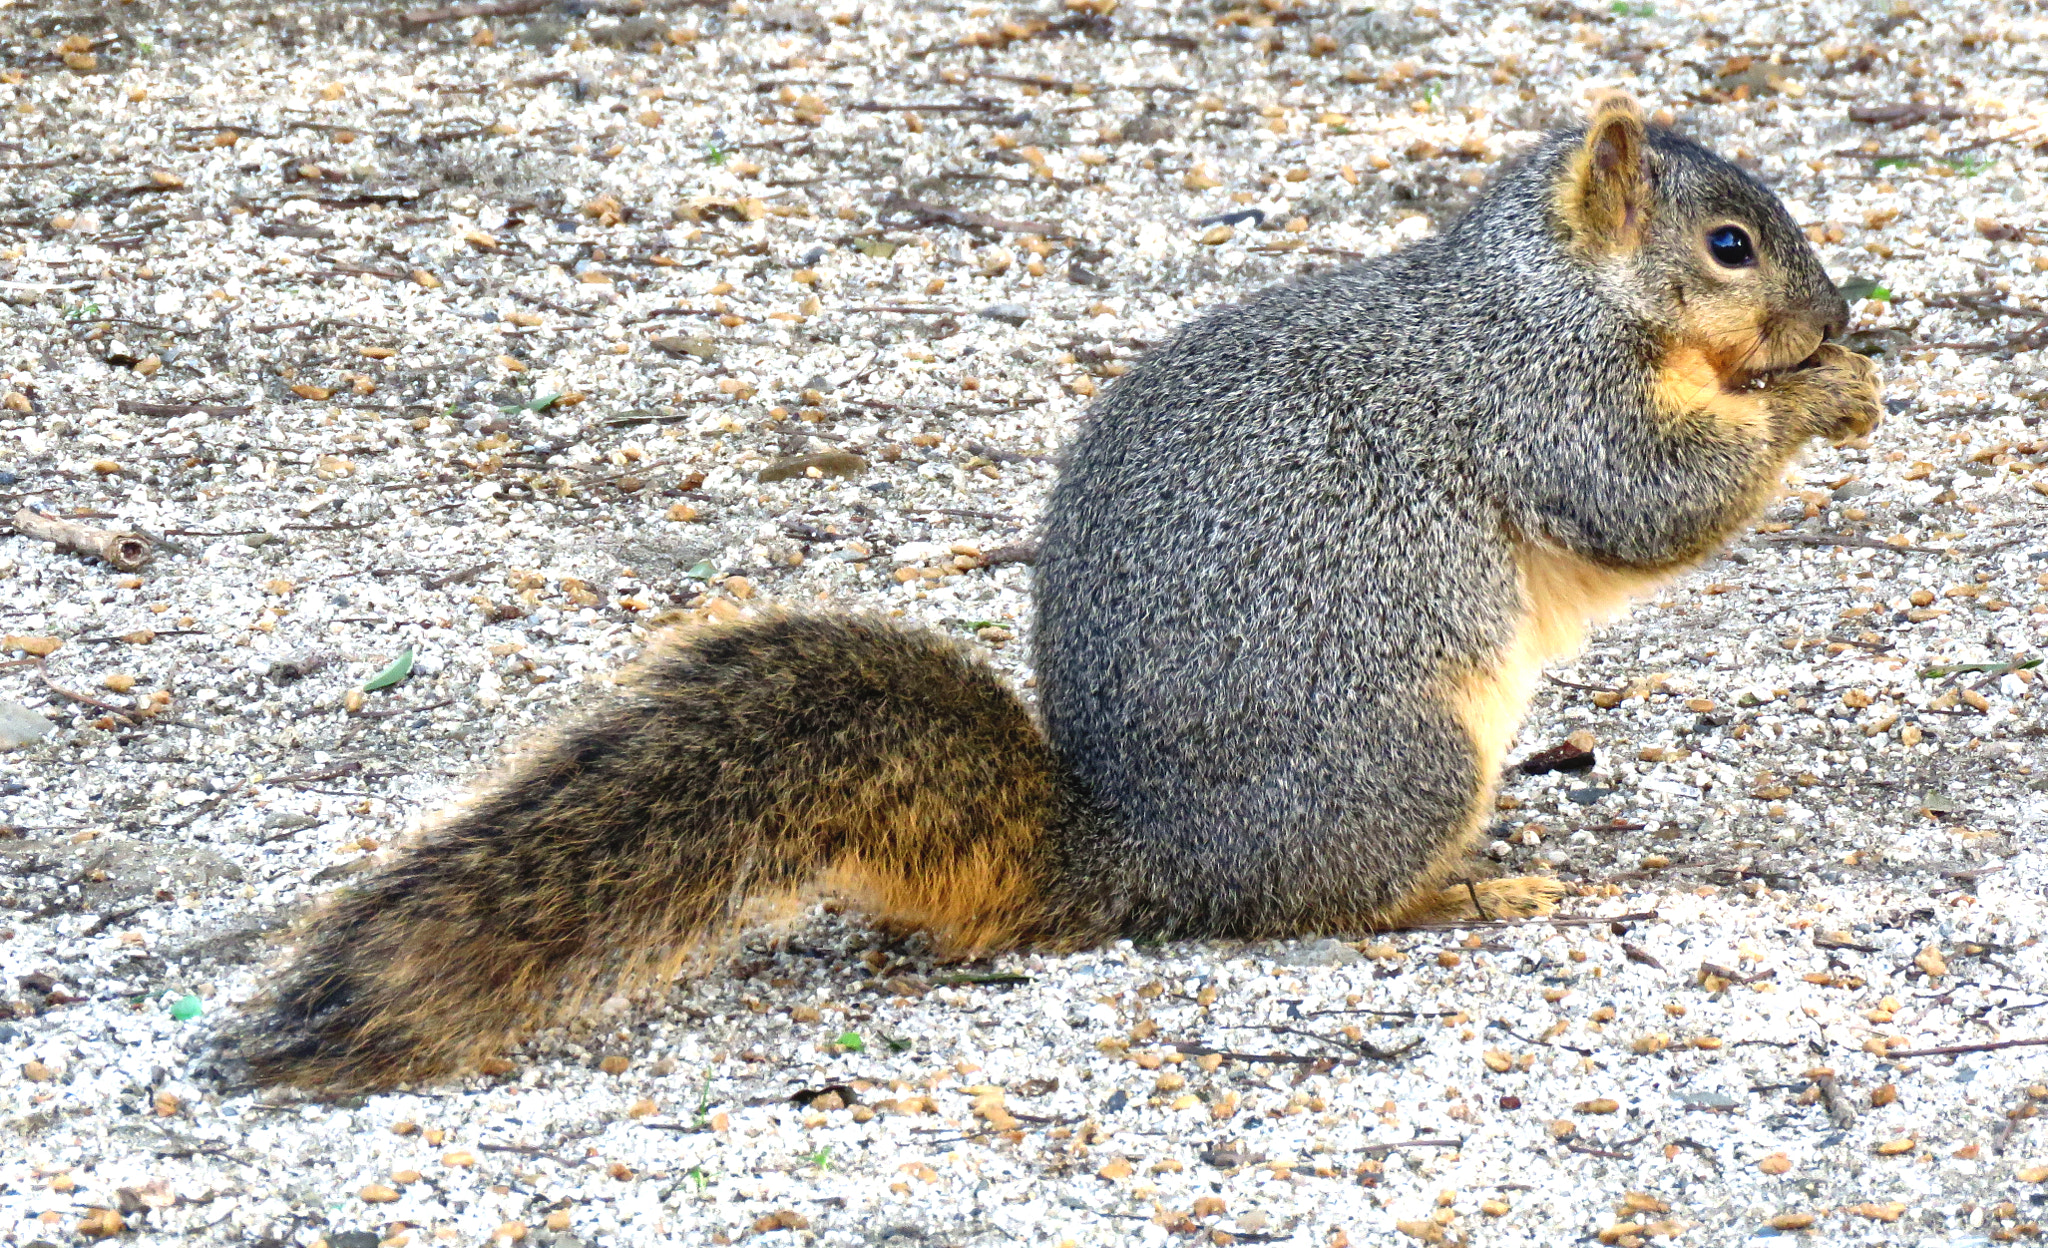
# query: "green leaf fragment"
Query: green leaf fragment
{"points": [[851, 1042], [187, 1008], [401, 667]]}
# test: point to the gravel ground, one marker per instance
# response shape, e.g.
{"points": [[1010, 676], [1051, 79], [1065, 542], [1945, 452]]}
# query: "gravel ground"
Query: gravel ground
{"points": [[488, 341]]}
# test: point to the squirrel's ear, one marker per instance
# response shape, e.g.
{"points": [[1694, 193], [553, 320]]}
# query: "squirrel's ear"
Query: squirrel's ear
{"points": [[1610, 178]]}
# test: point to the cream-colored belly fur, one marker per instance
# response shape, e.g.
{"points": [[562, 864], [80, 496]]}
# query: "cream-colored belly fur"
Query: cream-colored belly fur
{"points": [[1562, 595]]}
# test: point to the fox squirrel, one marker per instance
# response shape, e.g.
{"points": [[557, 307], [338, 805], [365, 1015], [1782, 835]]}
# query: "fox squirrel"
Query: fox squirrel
{"points": [[1298, 578]]}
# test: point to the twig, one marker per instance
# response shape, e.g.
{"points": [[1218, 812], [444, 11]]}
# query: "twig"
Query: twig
{"points": [[1568, 684], [492, 8], [1946, 1049], [1438, 1142], [218, 410], [975, 1135], [2013, 1118], [1840, 1111], [406, 710], [1591, 1151], [1854, 540], [1548, 1044], [119, 712], [927, 214], [125, 552], [106, 921], [462, 577], [1591, 920]]}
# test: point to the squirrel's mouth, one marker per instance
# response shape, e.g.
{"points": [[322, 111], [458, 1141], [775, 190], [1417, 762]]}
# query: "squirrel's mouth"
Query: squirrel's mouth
{"points": [[1758, 378], [1777, 350]]}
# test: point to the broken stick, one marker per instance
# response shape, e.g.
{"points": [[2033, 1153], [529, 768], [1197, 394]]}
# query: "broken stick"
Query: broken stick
{"points": [[124, 551]]}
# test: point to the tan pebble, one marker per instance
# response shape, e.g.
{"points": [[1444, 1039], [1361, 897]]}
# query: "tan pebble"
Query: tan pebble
{"points": [[460, 1159], [1654, 862], [101, 1223], [1494, 1207], [119, 682], [1448, 959], [1497, 1061], [1200, 180], [106, 467], [615, 1064], [1217, 234], [1699, 706], [1930, 961], [2033, 1174], [558, 1220], [1892, 1148], [510, 1232], [352, 701], [828, 1102], [1643, 1202], [1116, 1168], [378, 1194], [1421, 1228], [1563, 1129], [35, 1072], [166, 1104], [642, 1108], [405, 1178], [41, 647], [307, 390], [149, 365], [1884, 1094], [1209, 1206], [1793, 1221], [1890, 1211], [739, 587], [1776, 1163], [1600, 1105], [16, 401]]}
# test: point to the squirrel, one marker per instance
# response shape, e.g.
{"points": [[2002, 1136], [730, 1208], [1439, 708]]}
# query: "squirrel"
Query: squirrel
{"points": [[1299, 574]]}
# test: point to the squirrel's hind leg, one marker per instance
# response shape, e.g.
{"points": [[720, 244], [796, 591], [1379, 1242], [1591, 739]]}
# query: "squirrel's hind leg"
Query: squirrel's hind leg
{"points": [[1517, 897]]}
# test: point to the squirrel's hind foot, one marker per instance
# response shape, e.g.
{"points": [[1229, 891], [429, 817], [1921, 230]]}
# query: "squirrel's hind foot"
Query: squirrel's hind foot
{"points": [[1519, 897]]}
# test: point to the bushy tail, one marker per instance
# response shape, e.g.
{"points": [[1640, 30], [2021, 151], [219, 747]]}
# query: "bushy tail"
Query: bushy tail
{"points": [[760, 760]]}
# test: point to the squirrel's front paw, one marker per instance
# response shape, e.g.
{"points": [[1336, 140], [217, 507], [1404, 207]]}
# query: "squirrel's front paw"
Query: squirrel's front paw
{"points": [[1835, 396]]}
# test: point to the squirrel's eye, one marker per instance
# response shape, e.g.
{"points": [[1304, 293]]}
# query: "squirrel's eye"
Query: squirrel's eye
{"points": [[1731, 247]]}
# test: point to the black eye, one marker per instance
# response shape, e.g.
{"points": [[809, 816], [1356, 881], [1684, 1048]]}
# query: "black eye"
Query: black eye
{"points": [[1731, 247]]}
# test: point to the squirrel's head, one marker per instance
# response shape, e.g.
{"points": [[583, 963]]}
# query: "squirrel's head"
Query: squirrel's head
{"points": [[1700, 248]]}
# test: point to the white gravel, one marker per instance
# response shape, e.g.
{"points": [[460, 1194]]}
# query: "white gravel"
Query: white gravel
{"points": [[1840, 834]]}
